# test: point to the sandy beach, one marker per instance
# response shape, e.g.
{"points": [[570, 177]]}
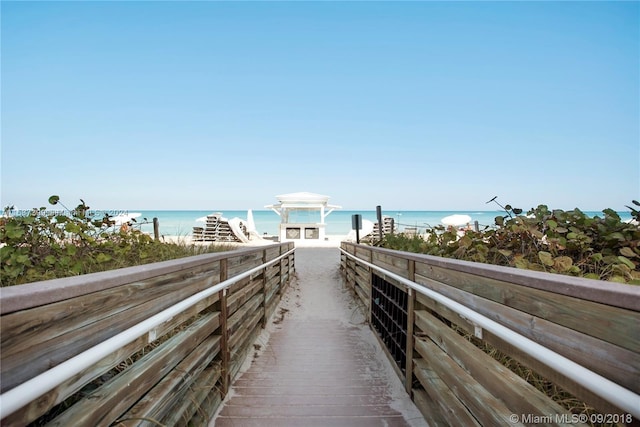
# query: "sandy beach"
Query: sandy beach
{"points": [[329, 242]]}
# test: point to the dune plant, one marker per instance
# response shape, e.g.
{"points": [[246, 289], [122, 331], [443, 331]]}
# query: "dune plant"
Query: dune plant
{"points": [[48, 244], [565, 242]]}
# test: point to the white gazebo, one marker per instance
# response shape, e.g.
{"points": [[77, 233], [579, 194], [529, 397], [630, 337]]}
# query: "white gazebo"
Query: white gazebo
{"points": [[302, 215]]}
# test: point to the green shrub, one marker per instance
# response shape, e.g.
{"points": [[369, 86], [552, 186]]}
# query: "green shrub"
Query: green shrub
{"points": [[50, 244], [566, 242]]}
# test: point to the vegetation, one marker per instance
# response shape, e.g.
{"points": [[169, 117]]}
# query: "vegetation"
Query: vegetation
{"points": [[51, 244], [556, 241]]}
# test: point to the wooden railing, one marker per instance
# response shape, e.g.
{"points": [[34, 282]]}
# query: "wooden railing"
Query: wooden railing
{"points": [[178, 333], [573, 332]]}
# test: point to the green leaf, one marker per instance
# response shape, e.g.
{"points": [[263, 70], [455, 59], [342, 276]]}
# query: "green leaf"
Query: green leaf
{"points": [[626, 261], [552, 224], [14, 232], [536, 233], [465, 242], [618, 236], [546, 258], [628, 252], [22, 259], [54, 200], [72, 227], [102, 258], [562, 263], [77, 268], [522, 263]]}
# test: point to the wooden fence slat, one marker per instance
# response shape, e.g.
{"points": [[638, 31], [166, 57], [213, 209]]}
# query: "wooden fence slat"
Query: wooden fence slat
{"points": [[429, 408], [614, 294], [68, 314], [175, 386], [30, 295], [557, 378], [57, 325], [240, 320], [594, 323], [236, 300], [518, 395], [242, 263], [113, 398], [393, 263], [39, 351], [54, 333], [605, 322], [616, 363], [485, 407], [244, 344], [448, 405], [204, 399], [40, 406]]}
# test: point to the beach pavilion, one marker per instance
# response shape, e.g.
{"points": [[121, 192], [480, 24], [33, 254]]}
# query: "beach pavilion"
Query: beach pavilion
{"points": [[302, 215]]}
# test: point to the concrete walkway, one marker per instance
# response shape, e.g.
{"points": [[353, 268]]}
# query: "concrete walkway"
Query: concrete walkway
{"points": [[317, 363]]}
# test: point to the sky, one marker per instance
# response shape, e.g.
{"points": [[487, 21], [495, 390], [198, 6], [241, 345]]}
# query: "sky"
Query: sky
{"points": [[409, 105]]}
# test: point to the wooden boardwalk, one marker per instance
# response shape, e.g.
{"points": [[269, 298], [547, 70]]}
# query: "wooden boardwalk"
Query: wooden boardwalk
{"points": [[318, 363]]}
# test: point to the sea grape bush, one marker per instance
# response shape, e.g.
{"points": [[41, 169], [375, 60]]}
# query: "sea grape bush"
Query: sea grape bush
{"points": [[51, 244], [566, 242]]}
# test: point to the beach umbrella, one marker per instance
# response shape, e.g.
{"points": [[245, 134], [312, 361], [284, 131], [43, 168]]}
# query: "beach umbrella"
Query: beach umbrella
{"points": [[251, 225], [124, 218], [455, 220]]}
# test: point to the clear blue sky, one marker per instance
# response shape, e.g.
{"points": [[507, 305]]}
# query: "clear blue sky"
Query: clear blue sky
{"points": [[410, 105]]}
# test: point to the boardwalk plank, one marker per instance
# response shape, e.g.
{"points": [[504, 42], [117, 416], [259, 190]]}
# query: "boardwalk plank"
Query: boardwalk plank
{"points": [[321, 365]]}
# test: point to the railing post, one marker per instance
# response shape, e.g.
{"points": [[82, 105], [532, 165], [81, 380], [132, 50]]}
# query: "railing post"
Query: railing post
{"points": [[290, 262], [411, 299], [281, 278], [370, 276], [156, 229], [264, 290], [225, 351]]}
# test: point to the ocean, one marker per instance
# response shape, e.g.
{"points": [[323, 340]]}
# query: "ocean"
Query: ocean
{"points": [[181, 223]]}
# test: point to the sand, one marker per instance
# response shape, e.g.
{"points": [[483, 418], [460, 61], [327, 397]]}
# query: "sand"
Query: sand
{"points": [[329, 242]]}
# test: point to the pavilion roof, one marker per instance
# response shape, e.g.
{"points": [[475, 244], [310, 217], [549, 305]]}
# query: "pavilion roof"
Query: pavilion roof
{"points": [[303, 199]]}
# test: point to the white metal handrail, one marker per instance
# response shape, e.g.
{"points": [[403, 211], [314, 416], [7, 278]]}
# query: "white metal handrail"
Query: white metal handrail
{"points": [[35, 387], [608, 390]]}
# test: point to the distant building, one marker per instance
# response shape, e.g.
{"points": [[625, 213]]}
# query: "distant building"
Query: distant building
{"points": [[302, 215]]}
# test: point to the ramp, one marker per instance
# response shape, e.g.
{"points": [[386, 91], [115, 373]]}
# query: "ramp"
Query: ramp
{"points": [[318, 363]]}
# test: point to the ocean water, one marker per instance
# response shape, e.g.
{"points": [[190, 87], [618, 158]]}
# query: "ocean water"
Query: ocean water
{"points": [[181, 223]]}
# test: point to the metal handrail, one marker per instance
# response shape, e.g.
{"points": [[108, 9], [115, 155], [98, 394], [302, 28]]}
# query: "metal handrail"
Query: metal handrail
{"points": [[608, 390], [35, 387]]}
